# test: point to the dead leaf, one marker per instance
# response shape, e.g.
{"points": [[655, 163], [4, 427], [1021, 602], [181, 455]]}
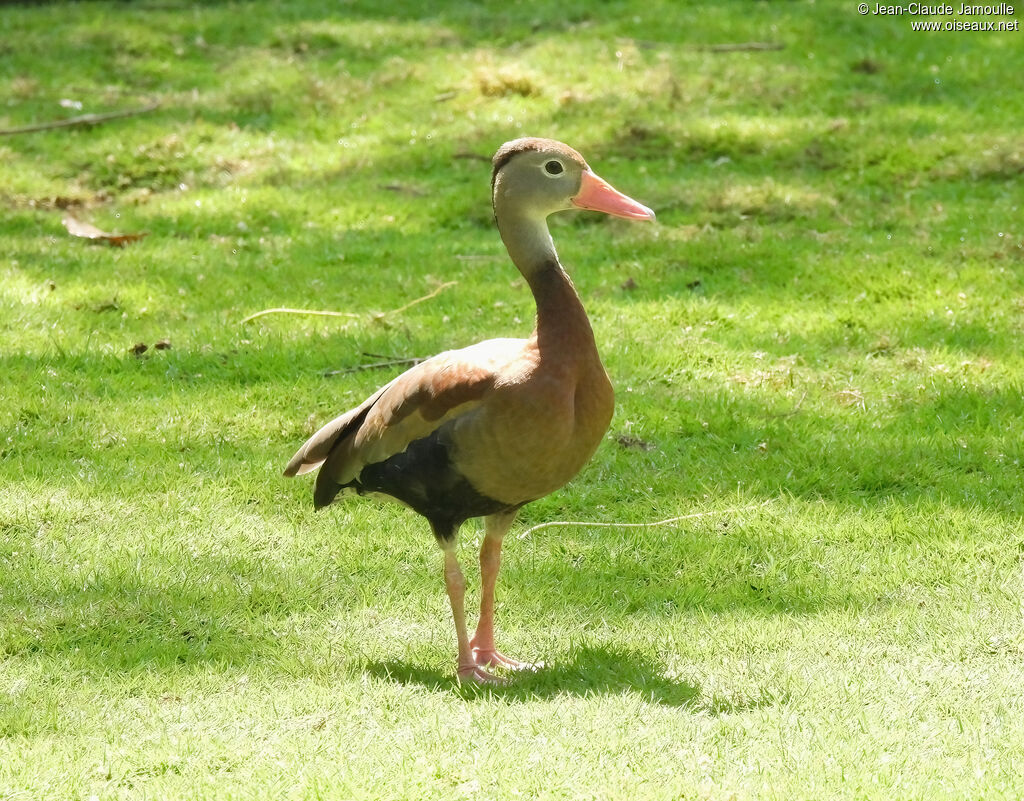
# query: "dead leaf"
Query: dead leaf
{"points": [[163, 344], [867, 66], [87, 231], [629, 441], [404, 189]]}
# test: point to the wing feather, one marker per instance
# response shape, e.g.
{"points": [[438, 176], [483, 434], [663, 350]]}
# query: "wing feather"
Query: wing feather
{"points": [[412, 406], [315, 450]]}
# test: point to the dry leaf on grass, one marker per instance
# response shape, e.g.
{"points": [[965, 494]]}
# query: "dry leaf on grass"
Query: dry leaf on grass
{"points": [[87, 231], [629, 441]]}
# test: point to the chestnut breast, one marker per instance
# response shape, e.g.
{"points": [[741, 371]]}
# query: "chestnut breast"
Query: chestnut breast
{"points": [[536, 430]]}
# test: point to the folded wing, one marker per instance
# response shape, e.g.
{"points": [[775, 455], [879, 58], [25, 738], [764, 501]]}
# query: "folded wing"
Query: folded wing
{"points": [[408, 409]]}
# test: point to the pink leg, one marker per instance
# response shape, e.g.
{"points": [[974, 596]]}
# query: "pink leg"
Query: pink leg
{"points": [[482, 643], [455, 584]]}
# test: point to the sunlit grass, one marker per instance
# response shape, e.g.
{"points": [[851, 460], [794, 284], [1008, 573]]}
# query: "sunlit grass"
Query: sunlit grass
{"points": [[817, 344]]}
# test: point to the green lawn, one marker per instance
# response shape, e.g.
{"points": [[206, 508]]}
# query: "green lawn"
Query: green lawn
{"points": [[825, 324]]}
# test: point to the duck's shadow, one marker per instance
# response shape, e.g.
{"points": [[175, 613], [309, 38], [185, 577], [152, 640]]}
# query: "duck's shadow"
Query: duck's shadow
{"points": [[591, 671]]}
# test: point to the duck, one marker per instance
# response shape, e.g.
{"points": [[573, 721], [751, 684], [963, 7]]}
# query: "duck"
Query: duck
{"points": [[486, 429]]}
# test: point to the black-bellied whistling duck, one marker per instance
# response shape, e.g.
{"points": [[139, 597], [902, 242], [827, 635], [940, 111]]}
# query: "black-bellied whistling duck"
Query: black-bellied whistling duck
{"points": [[479, 432]]}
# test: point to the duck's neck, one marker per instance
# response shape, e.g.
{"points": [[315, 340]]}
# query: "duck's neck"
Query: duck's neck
{"points": [[561, 319]]}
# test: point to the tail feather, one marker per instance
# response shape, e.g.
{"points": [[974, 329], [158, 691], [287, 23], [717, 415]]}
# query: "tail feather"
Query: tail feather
{"points": [[303, 468], [317, 448]]}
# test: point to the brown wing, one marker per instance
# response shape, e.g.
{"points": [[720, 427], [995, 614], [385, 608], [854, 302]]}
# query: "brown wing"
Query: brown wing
{"points": [[409, 408], [315, 449]]}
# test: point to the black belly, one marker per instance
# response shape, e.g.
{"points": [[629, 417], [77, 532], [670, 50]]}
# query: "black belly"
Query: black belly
{"points": [[424, 477]]}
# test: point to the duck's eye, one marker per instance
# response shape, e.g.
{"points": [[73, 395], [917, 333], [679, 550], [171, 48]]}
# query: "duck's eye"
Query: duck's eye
{"points": [[554, 168]]}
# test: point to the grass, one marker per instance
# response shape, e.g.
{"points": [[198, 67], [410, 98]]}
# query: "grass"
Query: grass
{"points": [[825, 321]]}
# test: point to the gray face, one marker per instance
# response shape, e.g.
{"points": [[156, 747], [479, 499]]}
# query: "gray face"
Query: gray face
{"points": [[539, 182]]}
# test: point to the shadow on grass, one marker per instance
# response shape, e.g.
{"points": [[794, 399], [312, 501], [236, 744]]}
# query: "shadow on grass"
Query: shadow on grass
{"points": [[594, 670]]}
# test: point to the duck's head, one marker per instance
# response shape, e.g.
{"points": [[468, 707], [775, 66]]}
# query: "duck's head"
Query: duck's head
{"points": [[536, 177]]}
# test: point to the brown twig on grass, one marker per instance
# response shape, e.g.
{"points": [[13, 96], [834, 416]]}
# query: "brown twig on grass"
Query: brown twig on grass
{"points": [[735, 47], [412, 360], [351, 315], [84, 119]]}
